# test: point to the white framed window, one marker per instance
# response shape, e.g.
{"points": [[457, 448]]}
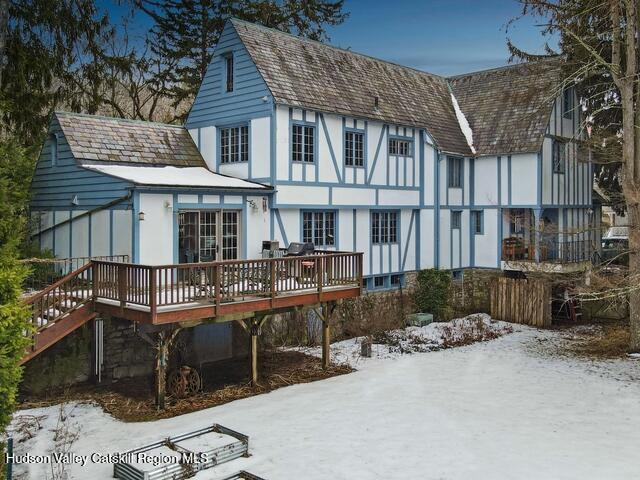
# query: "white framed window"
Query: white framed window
{"points": [[318, 227], [353, 149], [234, 144], [455, 168], [559, 156], [384, 227], [53, 138], [400, 147], [228, 69], [456, 219], [303, 138]]}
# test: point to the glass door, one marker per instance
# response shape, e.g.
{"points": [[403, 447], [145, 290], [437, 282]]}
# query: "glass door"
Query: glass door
{"points": [[208, 235]]}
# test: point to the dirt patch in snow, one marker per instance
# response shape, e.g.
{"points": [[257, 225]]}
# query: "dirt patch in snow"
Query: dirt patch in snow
{"points": [[133, 400]]}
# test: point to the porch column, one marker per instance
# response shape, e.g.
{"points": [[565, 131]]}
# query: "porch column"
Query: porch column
{"points": [[537, 215]]}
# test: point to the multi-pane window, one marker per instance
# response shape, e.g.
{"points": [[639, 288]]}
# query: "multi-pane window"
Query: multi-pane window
{"points": [[234, 144], [456, 219], [229, 235], [208, 234], [353, 149], [456, 170], [477, 221], [384, 227], [319, 228], [567, 103], [228, 67], [303, 143], [397, 146], [378, 282], [559, 156]]}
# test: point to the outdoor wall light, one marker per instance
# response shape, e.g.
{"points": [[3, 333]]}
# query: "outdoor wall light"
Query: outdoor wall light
{"points": [[253, 205], [141, 216]]}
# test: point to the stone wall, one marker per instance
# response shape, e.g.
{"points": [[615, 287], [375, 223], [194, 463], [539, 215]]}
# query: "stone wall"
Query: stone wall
{"points": [[70, 361], [471, 294]]}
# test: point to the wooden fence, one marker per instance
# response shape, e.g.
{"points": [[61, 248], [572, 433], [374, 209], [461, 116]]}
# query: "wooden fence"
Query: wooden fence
{"points": [[524, 301]]}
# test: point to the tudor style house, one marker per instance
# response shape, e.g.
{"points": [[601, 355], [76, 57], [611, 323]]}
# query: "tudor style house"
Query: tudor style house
{"points": [[297, 141]]}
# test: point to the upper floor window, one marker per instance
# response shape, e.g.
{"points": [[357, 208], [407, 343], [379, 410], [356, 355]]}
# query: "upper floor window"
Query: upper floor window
{"points": [[455, 168], [456, 219], [353, 149], [384, 227], [398, 146], [303, 139], [53, 138], [559, 156], [567, 103], [477, 221], [319, 228], [228, 68], [234, 144]]}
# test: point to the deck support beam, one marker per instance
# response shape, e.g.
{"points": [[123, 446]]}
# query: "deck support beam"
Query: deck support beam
{"points": [[253, 326], [325, 313], [163, 344]]}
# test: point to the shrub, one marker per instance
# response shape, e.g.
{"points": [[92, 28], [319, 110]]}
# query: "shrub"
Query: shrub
{"points": [[432, 293]]}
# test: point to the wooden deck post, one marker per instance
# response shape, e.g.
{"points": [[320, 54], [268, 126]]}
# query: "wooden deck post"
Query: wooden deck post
{"points": [[253, 352], [163, 344]]}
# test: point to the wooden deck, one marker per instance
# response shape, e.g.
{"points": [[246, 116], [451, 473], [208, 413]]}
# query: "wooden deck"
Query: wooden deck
{"points": [[189, 293]]}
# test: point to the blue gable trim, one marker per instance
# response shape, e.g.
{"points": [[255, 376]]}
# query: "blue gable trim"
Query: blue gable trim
{"points": [[250, 97], [54, 186]]}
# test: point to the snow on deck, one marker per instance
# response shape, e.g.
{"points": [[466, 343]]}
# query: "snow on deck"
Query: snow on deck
{"points": [[174, 176], [495, 410]]}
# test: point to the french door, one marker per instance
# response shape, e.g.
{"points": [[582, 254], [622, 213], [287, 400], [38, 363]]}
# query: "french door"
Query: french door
{"points": [[208, 235]]}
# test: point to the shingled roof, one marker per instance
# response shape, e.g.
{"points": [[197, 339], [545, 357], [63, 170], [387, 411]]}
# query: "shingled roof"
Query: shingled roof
{"points": [[308, 74], [508, 108], [116, 140]]}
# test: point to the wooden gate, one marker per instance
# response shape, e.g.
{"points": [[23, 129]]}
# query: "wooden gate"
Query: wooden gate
{"points": [[526, 301]]}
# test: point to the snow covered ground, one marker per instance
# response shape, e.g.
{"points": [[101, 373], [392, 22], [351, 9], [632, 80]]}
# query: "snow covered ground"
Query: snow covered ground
{"points": [[503, 409]]}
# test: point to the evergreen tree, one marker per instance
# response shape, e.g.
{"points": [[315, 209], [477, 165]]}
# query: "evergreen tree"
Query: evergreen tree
{"points": [[15, 170], [186, 31], [48, 53]]}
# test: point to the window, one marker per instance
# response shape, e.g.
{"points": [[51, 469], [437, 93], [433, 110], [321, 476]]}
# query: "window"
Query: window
{"points": [[396, 280], [455, 169], [384, 227], [516, 222], [559, 156], [456, 219], [400, 147], [228, 64], [234, 144], [54, 149], [319, 228], [567, 103], [353, 149], [378, 282], [477, 221], [303, 143]]}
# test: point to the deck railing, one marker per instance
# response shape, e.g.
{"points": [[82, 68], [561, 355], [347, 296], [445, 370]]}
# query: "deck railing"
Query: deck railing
{"points": [[224, 281], [550, 250]]}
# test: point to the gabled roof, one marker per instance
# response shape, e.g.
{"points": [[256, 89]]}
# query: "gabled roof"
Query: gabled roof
{"points": [[308, 74], [116, 140], [509, 108]]}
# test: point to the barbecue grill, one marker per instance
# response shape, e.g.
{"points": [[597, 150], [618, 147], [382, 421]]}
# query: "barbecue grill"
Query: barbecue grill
{"points": [[297, 249]]}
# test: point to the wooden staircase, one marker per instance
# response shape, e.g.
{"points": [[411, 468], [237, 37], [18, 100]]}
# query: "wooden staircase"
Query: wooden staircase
{"points": [[60, 309]]}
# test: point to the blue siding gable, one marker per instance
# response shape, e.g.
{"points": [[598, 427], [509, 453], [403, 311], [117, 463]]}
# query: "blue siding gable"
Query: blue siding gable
{"points": [[54, 186], [213, 105]]}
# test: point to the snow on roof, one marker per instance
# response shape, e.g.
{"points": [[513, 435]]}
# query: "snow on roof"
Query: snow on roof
{"points": [[174, 176], [464, 124]]}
